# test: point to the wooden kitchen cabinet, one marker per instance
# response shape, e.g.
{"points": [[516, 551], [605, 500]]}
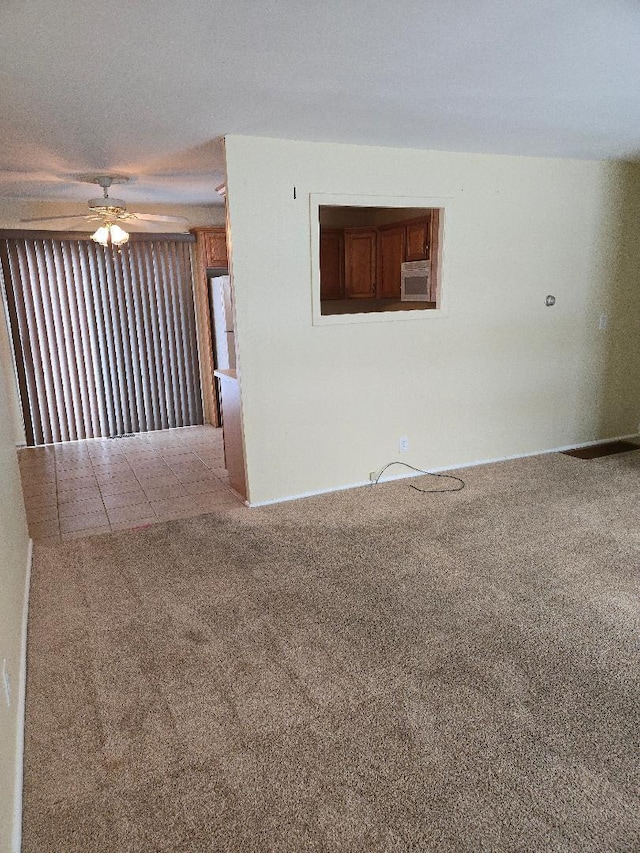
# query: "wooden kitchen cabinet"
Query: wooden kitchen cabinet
{"points": [[391, 254], [332, 264], [417, 248], [365, 262], [360, 248], [214, 244]]}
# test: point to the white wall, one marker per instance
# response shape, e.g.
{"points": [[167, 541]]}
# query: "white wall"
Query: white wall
{"points": [[14, 542], [500, 375]]}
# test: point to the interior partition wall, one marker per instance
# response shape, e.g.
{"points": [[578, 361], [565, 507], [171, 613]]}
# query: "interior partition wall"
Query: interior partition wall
{"points": [[104, 339]]}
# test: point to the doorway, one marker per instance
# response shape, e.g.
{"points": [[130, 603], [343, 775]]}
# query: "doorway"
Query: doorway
{"points": [[104, 340]]}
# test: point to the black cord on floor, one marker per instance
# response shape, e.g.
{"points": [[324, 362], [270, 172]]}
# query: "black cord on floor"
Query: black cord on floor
{"points": [[457, 488]]}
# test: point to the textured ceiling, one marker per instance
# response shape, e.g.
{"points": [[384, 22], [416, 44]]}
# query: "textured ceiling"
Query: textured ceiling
{"points": [[148, 87]]}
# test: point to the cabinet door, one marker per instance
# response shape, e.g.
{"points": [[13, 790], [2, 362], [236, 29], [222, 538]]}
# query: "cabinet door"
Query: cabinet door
{"points": [[360, 262], [418, 240], [215, 247], [331, 264], [391, 252]]}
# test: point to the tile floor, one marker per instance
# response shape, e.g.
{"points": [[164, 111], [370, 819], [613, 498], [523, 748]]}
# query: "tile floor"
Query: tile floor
{"points": [[84, 487]]}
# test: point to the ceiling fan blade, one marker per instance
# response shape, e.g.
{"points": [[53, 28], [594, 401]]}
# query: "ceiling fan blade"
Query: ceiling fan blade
{"points": [[55, 218], [157, 217], [149, 227]]}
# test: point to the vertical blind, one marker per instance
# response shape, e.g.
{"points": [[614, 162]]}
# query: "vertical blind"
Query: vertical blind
{"points": [[104, 339]]}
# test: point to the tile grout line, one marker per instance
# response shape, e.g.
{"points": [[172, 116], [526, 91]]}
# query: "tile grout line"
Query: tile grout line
{"points": [[110, 460], [224, 483], [153, 512], [75, 533], [104, 506], [55, 474]]}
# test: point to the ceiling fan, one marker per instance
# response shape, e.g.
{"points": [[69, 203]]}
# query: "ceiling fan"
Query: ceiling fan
{"points": [[109, 212]]}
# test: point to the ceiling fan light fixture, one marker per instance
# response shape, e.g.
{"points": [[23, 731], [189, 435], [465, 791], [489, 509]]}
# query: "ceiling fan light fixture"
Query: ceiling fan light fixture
{"points": [[110, 234], [118, 235], [101, 236]]}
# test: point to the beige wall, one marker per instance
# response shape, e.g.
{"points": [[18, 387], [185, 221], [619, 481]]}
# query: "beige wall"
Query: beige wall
{"points": [[14, 542], [7, 359], [499, 375]]}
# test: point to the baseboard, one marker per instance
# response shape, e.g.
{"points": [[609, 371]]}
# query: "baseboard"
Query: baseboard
{"points": [[310, 494], [16, 841], [406, 474]]}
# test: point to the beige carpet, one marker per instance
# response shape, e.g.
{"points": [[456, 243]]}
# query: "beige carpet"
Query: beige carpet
{"points": [[375, 670]]}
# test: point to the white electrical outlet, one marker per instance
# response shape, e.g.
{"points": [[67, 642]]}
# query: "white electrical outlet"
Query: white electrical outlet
{"points": [[603, 322], [6, 680], [403, 444], [373, 476]]}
